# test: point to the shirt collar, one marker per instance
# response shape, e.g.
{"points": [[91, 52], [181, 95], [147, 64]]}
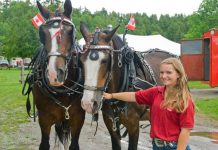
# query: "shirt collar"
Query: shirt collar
{"points": [[161, 89]]}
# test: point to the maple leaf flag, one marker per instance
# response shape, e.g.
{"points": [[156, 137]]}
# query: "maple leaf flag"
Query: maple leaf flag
{"points": [[131, 24], [38, 20]]}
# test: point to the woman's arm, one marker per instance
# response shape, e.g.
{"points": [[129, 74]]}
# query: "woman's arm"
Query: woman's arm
{"points": [[124, 96], [183, 139]]}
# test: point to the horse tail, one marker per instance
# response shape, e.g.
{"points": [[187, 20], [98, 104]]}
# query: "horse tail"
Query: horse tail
{"points": [[62, 130]]}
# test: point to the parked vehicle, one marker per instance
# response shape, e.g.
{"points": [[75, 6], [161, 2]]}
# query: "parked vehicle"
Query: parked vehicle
{"points": [[26, 61], [13, 62], [16, 61], [4, 63]]}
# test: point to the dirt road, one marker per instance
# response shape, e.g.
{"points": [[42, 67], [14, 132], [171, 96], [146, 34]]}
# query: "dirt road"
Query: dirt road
{"points": [[203, 137]]}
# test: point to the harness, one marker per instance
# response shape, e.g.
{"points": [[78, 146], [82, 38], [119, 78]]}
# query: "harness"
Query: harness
{"points": [[37, 73], [148, 73], [130, 82], [126, 57]]}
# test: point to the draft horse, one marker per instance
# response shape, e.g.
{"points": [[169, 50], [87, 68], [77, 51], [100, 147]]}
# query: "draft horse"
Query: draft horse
{"points": [[55, 72], [110, 65]]}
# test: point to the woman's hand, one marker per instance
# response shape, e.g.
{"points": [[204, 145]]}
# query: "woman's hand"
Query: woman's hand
{"points": [[108, 95], [123, 96]]}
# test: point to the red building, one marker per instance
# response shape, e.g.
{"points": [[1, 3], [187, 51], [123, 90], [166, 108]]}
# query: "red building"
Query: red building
{"points": [[200, 57]]}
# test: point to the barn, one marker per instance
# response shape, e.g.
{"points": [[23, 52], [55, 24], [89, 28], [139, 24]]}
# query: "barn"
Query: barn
{"points": [[200, 57]]}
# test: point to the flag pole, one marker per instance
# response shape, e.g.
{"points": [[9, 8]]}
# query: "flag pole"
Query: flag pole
{"points": [[129, 26], [124, 35]]}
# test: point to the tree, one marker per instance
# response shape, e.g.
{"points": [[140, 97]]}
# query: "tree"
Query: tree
{"points": [[204, 19], [19, 36]]}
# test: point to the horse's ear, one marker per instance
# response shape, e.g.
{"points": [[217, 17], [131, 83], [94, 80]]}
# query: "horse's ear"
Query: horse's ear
{"points": [[45, 13], [84, 30], [67, 8], [111, 33]]}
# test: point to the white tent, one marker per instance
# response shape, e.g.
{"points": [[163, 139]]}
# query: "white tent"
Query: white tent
{"points": [[144, 43]]}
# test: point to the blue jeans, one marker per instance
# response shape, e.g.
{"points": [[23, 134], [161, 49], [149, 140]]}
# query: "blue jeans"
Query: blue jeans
{"points": [[168, 147]]}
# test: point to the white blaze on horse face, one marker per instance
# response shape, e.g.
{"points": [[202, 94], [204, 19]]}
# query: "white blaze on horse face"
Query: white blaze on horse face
{"points": [[52, 73], [92, 68]]}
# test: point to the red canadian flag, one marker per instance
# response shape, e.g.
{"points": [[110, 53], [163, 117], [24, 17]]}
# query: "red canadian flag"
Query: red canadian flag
{"points": [[38, 20], [131, 24]]}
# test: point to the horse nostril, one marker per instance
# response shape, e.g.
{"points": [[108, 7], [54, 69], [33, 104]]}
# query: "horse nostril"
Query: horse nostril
{"points": [[95, 107], [60, 74]]}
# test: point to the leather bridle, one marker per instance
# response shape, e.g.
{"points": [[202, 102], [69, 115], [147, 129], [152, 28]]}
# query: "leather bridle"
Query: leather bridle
{"points": [[92, 45], [104, 48], [62, 21]]}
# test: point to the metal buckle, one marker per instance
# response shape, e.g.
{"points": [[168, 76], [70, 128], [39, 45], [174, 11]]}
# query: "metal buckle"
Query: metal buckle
{"points": [[162, 143], [170, 144], [159, 143]]}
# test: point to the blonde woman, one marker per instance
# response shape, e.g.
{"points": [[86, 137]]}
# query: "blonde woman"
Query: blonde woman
{"points": [[171, 107]]}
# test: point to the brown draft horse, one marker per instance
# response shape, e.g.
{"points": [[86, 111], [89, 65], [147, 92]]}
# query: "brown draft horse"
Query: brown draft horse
{"points": [[55, 72], [110, 65]]}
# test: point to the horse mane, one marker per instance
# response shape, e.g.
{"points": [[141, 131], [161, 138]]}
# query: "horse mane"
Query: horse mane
{"points": [[58, 12]]}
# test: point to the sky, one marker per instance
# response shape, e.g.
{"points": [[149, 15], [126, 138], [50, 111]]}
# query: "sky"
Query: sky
{"points": [[150, 7]]}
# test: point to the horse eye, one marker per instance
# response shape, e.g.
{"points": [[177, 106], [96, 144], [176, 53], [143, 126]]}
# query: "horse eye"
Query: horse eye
{"points": [[104, 61]]}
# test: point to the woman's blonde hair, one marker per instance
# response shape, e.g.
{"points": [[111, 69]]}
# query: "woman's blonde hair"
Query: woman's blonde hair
{"points": [[178, 99]]}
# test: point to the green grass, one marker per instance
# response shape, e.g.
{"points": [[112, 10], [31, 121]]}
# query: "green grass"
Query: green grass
{"points": [[209, 107], [12, 103], [198, 85]]}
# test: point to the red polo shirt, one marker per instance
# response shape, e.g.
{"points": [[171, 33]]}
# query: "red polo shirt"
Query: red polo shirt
{"points": [[166, 124]]}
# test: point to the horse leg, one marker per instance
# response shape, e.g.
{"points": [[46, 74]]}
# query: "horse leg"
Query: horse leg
{"points": [[115, 136], [44, 145], [76, 122], [45, 126], [133, 131], [133, 137]]}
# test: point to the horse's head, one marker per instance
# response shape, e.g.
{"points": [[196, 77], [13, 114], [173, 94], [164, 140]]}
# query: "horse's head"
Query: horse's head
{"points": [[57, 36], [97, 61]]}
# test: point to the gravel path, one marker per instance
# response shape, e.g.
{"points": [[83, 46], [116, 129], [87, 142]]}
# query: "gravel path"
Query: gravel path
{"points": [[203, 137], [204, 93]]}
